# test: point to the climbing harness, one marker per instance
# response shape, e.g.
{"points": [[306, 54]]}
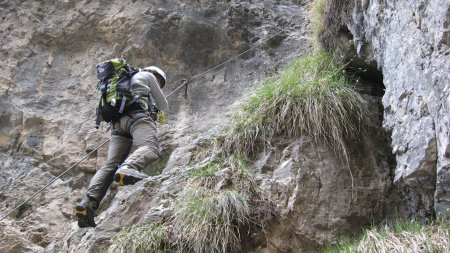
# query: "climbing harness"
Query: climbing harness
{"points": [[161, 116], [53, 180]]}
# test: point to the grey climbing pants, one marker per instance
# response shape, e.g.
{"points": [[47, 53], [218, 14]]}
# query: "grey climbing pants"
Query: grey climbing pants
{"points": [[143, 133]]}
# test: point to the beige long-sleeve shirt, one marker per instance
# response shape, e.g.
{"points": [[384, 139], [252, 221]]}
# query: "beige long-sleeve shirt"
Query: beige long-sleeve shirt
{"points": [[145, 84]]}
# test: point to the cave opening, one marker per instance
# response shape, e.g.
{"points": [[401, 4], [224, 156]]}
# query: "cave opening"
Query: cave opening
{"points": [[369, 80]]}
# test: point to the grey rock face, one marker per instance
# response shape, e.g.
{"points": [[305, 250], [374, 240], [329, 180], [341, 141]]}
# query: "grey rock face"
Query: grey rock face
{"points": [[48, 97], [47, 102], [409, 40], [314, 193]]}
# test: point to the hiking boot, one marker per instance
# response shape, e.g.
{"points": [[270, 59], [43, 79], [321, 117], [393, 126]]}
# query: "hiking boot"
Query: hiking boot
{"points": [[85, 212], [127, 176]]}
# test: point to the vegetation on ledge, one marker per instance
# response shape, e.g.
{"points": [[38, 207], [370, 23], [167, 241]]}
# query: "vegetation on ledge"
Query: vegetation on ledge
{"points": [[313, 97], [401, 236], [215, 213]]}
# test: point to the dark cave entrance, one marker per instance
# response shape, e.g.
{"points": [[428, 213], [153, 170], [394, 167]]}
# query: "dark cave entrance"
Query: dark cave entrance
{"points": [[369, 80]]}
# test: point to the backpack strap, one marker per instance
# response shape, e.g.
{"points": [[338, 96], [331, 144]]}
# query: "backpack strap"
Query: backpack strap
{"points": [[122, 105], [98, 117]]}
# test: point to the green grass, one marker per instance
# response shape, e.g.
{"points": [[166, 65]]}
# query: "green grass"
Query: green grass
{"points": [[312, 97], [142, 238], [399, 226], [401, 236], [158, 166], [237, 168], [209, 221], [208, 170], [317, 15], [242, 176], [211, 217], [329, 19], [240, 165], [206, 175]]}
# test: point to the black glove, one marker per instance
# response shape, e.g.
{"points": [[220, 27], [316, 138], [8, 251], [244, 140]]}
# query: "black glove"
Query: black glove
{"points": [[153, 111]]}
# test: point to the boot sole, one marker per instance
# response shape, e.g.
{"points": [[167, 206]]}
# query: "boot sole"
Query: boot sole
{"points": [[124, 179], [85, 218]]}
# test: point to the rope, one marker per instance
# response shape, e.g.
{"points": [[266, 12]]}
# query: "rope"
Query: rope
{"points": [[229, 60], [184, 83], [52, 181]]}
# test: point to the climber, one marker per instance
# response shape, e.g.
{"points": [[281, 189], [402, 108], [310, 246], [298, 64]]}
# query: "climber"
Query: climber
{"points": [[136, 124]]}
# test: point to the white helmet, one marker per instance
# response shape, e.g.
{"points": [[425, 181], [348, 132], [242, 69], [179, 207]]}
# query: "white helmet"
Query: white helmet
{"points": [[157, 72]]}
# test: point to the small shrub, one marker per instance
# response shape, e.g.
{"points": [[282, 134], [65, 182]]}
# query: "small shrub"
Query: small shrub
{"points": [[312, 97], [143, 238]]}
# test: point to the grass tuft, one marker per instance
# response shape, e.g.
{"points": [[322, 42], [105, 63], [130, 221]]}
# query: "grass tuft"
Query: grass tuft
{"points": [[157, 167], [402, 236], [217, 216], [312, 97], [143, 238], [329, 19], [317, 15], [208, 221], [208, 170], [206, 175]]}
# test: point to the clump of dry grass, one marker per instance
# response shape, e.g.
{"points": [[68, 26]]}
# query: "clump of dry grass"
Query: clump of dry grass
{"points": [[402, 237], [317, 14], [329, 19], [206, 174], [209, 221], [212, 219], [142, 238], [208, 217], [430, 239], [312, 97]]}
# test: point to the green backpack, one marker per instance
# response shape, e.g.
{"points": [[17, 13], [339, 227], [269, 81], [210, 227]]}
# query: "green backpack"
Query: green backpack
{"points": [[115, 89]]}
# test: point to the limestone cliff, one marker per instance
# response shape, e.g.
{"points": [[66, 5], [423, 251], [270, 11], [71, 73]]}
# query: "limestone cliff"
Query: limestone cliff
{"points": [[407, 45], [48, 97], [410, 44]]}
